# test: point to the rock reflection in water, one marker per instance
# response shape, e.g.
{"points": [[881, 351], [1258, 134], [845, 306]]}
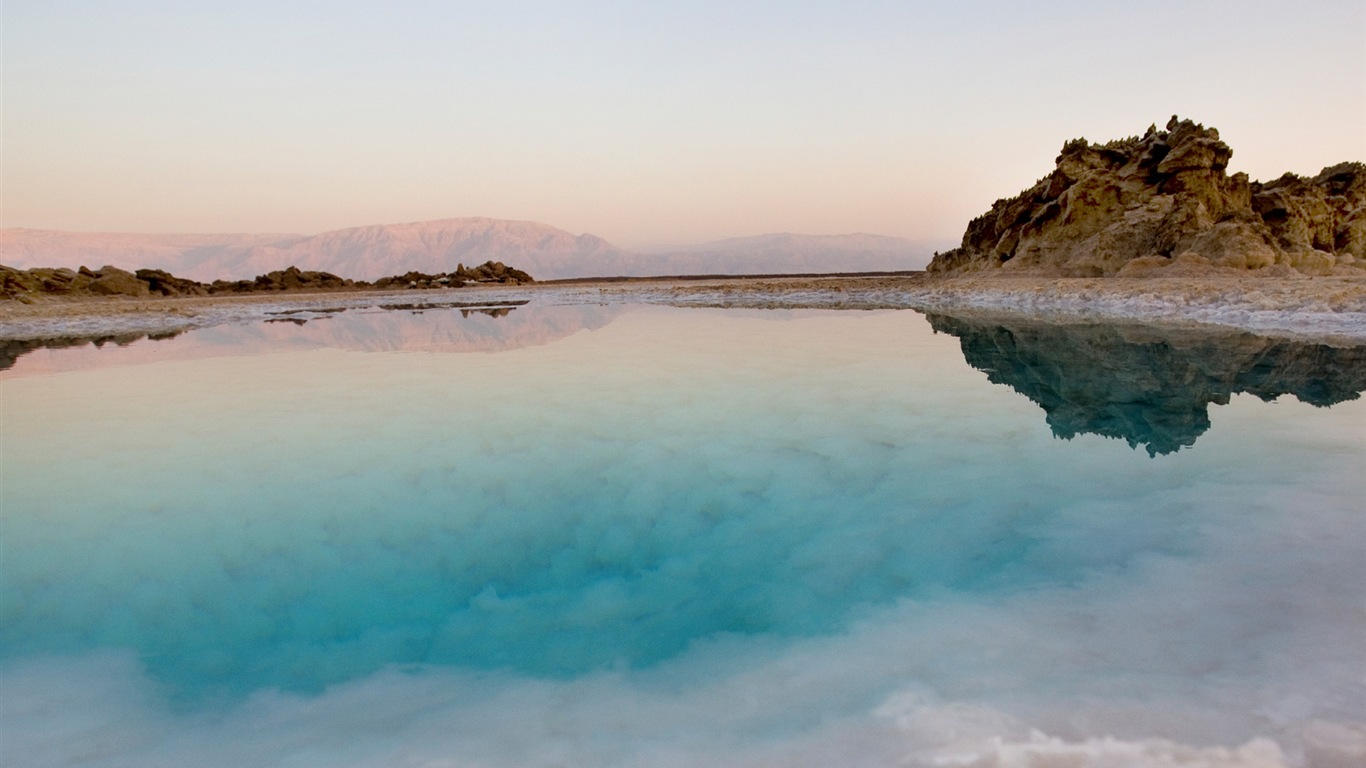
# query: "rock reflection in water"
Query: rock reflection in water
{"points": [[1147, 386], [490, 311], [444, 327], [12, 349]]}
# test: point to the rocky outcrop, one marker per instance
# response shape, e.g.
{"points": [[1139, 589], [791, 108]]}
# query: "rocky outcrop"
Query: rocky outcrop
{"points": [[112, 281], [488, 272], [290, 279], [32, 284], [107, 281], [163, 283], [1163, 203], [1149, 387]]}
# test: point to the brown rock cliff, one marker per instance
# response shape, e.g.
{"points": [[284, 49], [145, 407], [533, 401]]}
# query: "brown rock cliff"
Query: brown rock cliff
{"points": [[1162, 203]]}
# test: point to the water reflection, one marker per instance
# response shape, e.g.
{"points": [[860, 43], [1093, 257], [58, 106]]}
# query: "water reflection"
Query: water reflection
{"points": [[13, 349], [1149, 387], [692, 537], [445, 327], [302, 316]]}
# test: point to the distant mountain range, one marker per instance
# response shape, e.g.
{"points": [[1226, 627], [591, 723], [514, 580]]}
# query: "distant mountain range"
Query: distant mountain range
{"points": [[787, 252], [438, 246]]}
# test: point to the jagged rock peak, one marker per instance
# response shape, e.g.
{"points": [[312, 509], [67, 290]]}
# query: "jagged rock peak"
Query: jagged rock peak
{"points": [[1162, 203]]}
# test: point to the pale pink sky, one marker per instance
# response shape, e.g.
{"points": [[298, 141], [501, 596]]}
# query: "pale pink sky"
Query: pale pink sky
{"points": [[642, 123]]}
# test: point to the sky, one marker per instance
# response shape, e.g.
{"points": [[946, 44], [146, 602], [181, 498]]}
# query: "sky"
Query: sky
{"points": [[647, 123]]}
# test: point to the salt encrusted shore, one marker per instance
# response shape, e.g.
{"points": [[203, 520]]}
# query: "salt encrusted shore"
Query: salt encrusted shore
{"points": [[1325, 308], [1318, 308]]}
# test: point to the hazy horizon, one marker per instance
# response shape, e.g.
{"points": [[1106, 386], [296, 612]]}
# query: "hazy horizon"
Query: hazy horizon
{"points": [[647, 248], [671, 124]]}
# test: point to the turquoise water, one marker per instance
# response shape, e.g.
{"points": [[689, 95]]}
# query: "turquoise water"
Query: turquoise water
{"points": [[644, 536]]}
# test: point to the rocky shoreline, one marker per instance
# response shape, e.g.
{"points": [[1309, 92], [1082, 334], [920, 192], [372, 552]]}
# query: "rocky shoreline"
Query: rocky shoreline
{"points": [[41, 283]]}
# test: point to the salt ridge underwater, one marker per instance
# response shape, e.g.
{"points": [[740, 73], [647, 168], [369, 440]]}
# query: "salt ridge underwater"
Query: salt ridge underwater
{"points": [[684, 537]]}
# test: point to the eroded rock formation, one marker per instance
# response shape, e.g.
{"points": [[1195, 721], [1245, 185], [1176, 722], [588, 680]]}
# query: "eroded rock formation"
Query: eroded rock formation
{"points": [[1162, 203], [108, 281], [1147, 387]]}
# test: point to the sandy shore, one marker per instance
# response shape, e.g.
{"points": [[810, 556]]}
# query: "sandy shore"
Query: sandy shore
{"points": [[1326, 308]]}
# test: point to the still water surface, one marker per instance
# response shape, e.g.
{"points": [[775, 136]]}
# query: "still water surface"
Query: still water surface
{"points": [[644, 536]]}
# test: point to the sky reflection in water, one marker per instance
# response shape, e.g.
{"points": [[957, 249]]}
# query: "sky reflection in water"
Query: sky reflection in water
{"points": [[680, 500]]}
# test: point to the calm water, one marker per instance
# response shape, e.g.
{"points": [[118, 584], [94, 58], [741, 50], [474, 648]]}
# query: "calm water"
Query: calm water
{"points": [[629, 536]]}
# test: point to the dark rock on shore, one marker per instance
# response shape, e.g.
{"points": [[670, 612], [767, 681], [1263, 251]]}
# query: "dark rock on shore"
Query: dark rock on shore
{"points": [[488, 272], [1162, 203], [290, 279], [166, 284], [32, 284], [112, 281], [107, 281]]}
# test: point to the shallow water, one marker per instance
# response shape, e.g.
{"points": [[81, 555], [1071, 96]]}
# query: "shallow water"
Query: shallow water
{"points": [[642, 536]]}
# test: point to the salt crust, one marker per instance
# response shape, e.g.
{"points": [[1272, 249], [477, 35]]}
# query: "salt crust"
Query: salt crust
{"points": [[1318, 308], [1305, 308]]}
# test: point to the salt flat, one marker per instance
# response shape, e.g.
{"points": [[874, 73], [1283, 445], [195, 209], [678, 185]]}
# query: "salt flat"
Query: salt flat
{"points": [[1319, 307]]}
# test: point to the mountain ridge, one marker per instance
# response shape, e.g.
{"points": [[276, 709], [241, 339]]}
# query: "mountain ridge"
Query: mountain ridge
{"points": [[439, 245]]}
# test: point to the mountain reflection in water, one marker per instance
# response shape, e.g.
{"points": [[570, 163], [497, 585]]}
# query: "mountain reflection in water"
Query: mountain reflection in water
{"points": [[443, 327], [1147, 386]]}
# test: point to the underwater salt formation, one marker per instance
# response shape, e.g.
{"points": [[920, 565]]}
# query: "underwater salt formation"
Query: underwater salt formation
{"points": [[1149, 387], [1141, 205]]}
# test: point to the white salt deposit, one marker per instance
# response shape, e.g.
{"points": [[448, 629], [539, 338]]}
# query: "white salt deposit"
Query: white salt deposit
{"points": [[1302, 308]]}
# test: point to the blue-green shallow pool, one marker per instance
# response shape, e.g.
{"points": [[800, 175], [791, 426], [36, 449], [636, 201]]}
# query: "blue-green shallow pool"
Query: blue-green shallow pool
{"points": [[640, 536]]}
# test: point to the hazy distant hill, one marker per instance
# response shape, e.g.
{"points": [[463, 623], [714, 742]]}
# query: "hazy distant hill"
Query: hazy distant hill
{"points": [[787, 252], [438, 246], [434, 246], [178, 254], [361, 252]]}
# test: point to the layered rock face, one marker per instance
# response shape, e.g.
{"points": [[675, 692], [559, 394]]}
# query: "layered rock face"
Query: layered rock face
{"points": [[107, 281], [1162, 203]]}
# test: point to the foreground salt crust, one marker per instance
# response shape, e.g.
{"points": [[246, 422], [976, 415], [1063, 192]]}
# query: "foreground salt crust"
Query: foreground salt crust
{"points": [[1298, 307]]}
